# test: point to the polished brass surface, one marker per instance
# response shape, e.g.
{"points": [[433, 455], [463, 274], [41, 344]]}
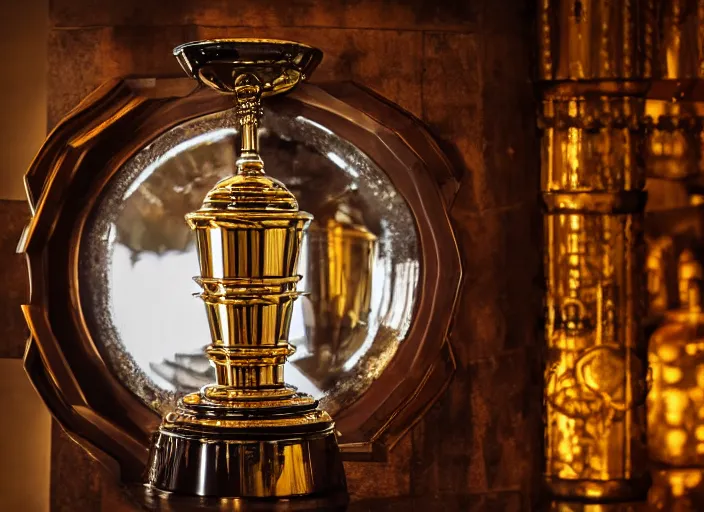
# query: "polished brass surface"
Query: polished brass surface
{"points": [[621, 82], [278, 65], [594, 40], [596, 363], [244, 437], [331, 178], [149, 499]]}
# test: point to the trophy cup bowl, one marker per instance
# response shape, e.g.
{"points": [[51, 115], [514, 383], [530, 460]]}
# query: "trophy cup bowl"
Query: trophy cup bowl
{"points": [[249, 436], [279, 65]]}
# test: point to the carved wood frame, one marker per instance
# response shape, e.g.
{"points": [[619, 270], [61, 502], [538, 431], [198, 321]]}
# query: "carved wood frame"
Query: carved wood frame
{"points": [[93, 142]]}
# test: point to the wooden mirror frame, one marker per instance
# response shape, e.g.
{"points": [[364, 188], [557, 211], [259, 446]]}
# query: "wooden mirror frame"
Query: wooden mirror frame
{"points": [[94, 141]]}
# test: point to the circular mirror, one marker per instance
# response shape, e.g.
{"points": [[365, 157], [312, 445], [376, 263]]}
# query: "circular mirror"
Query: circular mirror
{"points": [[115, 333], [360, 260]]}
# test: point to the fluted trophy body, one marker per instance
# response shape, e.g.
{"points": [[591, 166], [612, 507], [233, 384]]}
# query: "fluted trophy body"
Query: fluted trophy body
{"points": [[249, 435]]}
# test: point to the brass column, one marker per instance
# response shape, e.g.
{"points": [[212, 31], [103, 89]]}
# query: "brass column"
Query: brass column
{"points": [[595, 57]]}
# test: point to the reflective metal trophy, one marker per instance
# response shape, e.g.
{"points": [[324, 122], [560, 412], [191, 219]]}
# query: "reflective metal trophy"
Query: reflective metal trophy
{"points": [[250, 435]]}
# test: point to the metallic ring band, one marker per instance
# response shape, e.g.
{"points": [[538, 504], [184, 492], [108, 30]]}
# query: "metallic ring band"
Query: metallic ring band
{"points": [[604, 203]]}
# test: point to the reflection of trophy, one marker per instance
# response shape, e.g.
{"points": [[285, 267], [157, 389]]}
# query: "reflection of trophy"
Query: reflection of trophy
{"points": [[339, 277], [250, 435]]}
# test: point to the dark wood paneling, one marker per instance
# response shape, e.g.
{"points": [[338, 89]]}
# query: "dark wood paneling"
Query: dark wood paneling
{"points": [[482, 435], [13, 276], [488, 502], [387, 14], [81, 60], [387, 61], [382, 479], [500, 309], [76, 478], [452, 106]]}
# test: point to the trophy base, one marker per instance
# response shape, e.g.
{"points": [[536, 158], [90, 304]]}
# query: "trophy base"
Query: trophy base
{"points": [[163, 501], [211, 449], [598, 491], [222, 465]]}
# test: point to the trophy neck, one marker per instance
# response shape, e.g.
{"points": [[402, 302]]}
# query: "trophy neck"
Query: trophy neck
{"points": [[248, 98]]}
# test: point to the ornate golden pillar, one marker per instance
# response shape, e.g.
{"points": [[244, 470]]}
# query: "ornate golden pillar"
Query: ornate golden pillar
{"points": [[595, 57]]}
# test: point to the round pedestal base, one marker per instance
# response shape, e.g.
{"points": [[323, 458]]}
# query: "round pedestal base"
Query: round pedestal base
{"points": [[599, 491], [246, 463], [152, 499]]}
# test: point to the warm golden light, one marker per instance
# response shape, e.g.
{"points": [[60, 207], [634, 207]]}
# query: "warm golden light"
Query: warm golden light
{"points": [[600, 140], [595, 372], [676, 356], [676, 489]]}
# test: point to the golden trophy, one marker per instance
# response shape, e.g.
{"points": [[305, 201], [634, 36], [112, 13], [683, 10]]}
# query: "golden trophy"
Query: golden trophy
{"points": [[250, 435]]}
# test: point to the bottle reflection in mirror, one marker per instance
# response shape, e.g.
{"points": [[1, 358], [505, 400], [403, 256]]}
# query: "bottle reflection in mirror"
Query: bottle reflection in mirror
{"points": [[656, 264]]}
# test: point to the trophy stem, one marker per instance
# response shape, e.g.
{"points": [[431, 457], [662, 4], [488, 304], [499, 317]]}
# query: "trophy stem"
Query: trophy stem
{"points": [[248, 96]]}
